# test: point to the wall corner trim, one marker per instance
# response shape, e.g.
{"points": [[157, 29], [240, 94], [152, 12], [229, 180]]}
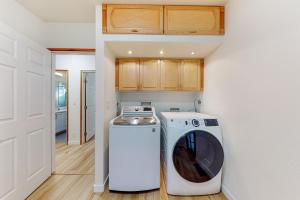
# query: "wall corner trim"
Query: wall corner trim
{"points": [[228, 193], [99, 188]]}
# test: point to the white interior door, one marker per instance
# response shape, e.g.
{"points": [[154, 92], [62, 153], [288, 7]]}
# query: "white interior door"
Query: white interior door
{"points": [[25, 110], [90, 105]]}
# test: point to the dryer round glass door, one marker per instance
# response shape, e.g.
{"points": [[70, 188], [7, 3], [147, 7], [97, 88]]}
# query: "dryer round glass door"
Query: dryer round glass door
{"points": [[198, 156]]}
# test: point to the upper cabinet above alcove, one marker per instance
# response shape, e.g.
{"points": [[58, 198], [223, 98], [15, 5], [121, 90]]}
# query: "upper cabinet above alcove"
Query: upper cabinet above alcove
{"points": [[162, 19]]}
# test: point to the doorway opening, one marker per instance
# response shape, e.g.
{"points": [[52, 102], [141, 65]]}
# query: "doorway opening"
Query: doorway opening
{"points": [[87, 105], [61, 107], [71, 156]]}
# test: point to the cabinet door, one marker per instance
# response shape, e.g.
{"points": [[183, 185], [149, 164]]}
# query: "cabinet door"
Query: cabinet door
{"points": [[59, 122], [64, 121], [135, 19], [170, 70], [128, 74], [193, 20], [150, 74], [190, 77]]}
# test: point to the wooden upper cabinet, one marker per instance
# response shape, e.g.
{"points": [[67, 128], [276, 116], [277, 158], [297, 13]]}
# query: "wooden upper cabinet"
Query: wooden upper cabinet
{"points": [[128, 74], [194, 20], [170, 70], [147, 74], [146, 19], [150, 74], [190, 77]]}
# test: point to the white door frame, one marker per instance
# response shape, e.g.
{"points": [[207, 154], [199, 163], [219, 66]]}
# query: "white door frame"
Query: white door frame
{"points": [[53, 65], [53, 110]]}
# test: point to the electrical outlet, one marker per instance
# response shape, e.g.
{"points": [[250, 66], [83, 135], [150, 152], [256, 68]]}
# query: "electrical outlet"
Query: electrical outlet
{"points": [[174, 109]]}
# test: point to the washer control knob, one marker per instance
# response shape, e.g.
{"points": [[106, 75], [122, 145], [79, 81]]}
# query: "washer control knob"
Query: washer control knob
{"points": [[195, 122]]}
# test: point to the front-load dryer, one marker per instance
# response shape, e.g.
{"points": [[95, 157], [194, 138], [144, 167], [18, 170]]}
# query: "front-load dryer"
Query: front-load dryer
{"points": [[192, 153]]}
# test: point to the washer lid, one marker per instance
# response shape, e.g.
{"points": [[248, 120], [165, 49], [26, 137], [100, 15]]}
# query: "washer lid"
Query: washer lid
{"points": [[134, 121], [198, 156]]}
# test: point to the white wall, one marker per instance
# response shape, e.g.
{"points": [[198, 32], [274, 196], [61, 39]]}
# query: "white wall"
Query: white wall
{"points": [[252, 84], [110, 98], [162, 101], [100, 175], [70, 35], [23, 21], [106, 103], [74, 63], [50, 35]]}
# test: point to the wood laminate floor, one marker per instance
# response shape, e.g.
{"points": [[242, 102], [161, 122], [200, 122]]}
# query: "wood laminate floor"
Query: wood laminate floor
{"points": [[74, 180], [75, 159]]}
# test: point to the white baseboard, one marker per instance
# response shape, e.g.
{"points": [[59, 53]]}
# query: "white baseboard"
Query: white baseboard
{"points": [[227, 193], [100, 187], [73, 142]]}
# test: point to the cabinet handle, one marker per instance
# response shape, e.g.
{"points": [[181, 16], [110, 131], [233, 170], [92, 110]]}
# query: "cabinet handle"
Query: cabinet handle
{"points": [[192, 31], [134, 31]]}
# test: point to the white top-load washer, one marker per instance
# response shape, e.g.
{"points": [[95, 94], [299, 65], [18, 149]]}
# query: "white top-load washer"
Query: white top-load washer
{"points": [[192, 153], [134, 150]]}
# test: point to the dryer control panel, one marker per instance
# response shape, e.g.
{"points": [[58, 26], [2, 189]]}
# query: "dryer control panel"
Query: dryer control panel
{"points": [[186, 123], [193, 123], [188, 120], [211, 122]]}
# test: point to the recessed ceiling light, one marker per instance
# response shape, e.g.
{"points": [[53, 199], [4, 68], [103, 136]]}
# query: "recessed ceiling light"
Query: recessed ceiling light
{"points": [[129, 52], [193, 53], [161, 52]]}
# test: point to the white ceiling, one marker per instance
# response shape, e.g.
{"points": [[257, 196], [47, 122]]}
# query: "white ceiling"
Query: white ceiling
{"points": [[84, 10], [173, 46], [170, 49], [81, 11]]}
